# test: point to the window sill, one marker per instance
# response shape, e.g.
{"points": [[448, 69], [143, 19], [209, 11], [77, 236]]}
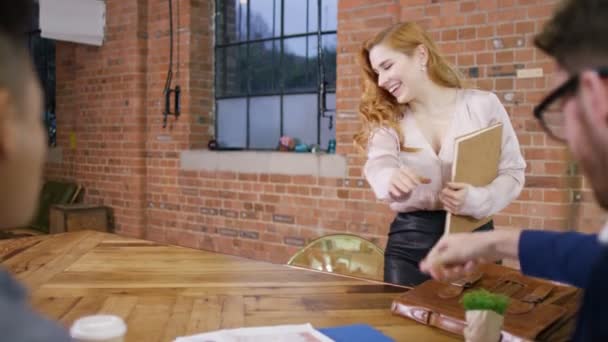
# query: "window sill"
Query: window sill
{"points": [[288, 163]]}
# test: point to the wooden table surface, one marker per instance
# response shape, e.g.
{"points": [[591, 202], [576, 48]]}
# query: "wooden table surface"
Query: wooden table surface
{"points": [[165, 291]]}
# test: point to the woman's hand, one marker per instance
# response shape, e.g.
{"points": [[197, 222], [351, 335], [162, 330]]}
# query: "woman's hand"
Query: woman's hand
{"points": [[453, 196], [403, 182]]}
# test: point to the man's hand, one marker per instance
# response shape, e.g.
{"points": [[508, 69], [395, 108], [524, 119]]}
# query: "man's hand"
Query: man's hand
{"points": [[458, 254], [453, 195], [403, 182]]}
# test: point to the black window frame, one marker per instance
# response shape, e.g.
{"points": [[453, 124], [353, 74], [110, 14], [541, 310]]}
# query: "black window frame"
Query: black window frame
{"points": [[43, 54], [323, 87]]}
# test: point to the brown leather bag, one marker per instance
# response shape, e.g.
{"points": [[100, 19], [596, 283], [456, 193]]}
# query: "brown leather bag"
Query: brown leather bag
{"points": [[539, 310]]}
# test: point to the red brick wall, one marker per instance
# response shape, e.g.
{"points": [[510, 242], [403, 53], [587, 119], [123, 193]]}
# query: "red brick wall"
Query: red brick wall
{"points": [[101, 95], [109, 98]]}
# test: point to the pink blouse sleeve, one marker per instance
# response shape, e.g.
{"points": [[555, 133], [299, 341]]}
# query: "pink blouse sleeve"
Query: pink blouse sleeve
{"points": [[486, 201], [382, 161]]}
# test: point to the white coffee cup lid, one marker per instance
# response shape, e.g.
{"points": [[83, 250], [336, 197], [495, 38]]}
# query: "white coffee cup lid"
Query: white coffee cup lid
{"points": [[98, 327]]}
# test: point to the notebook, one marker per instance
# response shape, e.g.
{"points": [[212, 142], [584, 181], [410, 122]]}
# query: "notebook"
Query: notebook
{"points": [[476, 158], [355, 333]]}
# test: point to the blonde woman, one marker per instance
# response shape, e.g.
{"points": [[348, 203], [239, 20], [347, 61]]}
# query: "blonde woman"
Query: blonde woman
{"points": [[412, 108]]}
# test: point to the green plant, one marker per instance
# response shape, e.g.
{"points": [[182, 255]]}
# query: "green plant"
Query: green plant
{"points": [[485, 300]]}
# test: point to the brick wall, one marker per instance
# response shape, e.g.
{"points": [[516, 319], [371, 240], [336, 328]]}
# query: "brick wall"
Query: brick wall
{"points": [[110, 99], [112, 140], [101, 95]]}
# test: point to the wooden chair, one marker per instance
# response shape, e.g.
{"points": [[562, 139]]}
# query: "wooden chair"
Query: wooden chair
{"points": [[52, 193], [343, 254]]}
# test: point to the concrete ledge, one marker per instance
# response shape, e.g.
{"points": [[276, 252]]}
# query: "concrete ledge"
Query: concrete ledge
{"points": [[288, 163], [54, 155]]}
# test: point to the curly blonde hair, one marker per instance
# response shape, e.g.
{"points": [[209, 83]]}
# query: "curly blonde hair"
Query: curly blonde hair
{"points": [[378, 108]]}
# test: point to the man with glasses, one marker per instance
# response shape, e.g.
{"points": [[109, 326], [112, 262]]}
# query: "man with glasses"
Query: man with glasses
{"points": [[576, 113]]}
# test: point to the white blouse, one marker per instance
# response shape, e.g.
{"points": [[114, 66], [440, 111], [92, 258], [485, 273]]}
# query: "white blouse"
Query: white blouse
{"points": [[475, 110]]}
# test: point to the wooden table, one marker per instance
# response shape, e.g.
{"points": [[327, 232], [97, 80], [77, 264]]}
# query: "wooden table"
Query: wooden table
{"points": [[165, 291]]}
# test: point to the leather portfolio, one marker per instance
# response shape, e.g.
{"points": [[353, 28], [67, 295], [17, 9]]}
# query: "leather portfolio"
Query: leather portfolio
{"points": [[538, 310]]}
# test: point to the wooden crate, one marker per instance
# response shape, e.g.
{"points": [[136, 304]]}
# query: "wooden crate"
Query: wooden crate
{"points": [[74, 217]]}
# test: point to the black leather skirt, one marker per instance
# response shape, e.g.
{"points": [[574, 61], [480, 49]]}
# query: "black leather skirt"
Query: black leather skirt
{"points": [[411, 237]]}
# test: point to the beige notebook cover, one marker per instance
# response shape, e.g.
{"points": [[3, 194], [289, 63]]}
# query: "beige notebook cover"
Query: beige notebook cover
{"points": [[476, 158]]}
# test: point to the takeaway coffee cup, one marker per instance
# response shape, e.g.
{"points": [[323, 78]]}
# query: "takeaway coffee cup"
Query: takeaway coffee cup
{"points": [[99, 328]]}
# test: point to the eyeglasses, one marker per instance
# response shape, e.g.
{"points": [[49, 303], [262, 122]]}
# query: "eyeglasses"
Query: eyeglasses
{"points": [[550, 112]]}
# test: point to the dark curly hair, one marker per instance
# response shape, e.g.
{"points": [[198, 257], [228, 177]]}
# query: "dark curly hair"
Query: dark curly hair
{"points": [[576, 34]]}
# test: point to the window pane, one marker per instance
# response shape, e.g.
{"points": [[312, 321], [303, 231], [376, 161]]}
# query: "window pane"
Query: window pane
{"points": [[301, 16], [300, 66], [231, 21], [232, 122], [264, 122], [231, 71], [260, 70], [326, 132], [265, 21], [329, 59], [300, 117], [329, 17], [263, 63]]}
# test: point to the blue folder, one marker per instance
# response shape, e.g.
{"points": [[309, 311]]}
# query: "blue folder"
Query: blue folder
{"points": [[355, 333]]}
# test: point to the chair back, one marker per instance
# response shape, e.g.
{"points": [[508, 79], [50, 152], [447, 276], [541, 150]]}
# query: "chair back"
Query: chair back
{"points": [[343, 254]]}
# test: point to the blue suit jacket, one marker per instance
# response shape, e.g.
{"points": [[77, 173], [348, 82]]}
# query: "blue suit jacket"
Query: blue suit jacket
{"points": [[577, 259]]}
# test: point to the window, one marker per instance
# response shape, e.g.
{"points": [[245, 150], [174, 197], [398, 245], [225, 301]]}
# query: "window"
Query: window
{"points": [[43, 53], [274, 61]]}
